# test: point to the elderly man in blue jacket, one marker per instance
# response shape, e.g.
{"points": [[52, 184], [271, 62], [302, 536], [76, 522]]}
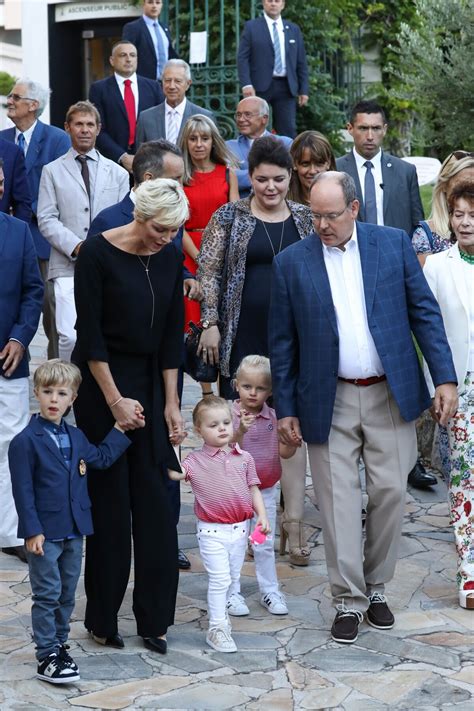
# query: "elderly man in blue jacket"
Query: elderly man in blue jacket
{"points": [[21, 297]]}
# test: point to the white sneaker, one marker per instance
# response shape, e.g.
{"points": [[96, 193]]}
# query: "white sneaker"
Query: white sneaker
{"points": [[275, 603], [220, 639], [237, 606]]}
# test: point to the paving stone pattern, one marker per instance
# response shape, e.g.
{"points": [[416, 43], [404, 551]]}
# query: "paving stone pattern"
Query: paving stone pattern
{"points": [[283, 663]]}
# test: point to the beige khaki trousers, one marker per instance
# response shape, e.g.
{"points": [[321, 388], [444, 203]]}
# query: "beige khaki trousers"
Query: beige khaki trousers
{"points": [[366, 423]]}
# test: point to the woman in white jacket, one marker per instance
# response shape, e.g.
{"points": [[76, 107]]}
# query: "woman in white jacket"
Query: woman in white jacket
{"points": [[450, 275]]}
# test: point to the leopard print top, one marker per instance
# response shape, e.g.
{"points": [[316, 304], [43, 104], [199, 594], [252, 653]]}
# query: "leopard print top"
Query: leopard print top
{"points": [[221, 265]]}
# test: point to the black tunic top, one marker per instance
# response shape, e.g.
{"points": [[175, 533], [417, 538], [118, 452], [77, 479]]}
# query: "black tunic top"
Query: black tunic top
{"points": [[114, 304]]}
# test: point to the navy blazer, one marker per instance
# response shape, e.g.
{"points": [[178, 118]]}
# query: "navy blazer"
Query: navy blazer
{"points": [[402, 205], [16, 196], [304, 340], [21, 287], [50, 497], [256, 57], [138, 33], [112, 140], [122, 214], [47, 143]]}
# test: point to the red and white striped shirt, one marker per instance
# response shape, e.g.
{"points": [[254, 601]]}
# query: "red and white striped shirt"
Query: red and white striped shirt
{"points": [[262, 442], [221, 482]]}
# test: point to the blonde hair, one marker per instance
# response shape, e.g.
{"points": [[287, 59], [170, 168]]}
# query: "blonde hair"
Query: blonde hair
{"points": [[57, 372], [220, 154], [209, 403], [257, 362], [439, 217], [161, 199], [83, 107]]}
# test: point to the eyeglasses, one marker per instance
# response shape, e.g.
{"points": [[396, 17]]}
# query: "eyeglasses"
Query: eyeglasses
{"points": [[245, 115], [17, 97], [459, 155], [329, 216]]}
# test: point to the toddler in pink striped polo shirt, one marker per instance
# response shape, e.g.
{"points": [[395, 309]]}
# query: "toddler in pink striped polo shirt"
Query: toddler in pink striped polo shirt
{"points": [[226, 490], [255, 430]]}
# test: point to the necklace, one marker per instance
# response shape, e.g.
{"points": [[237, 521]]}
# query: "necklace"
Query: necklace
{"points": [[469, 258], [269, 238], [146, 266]]}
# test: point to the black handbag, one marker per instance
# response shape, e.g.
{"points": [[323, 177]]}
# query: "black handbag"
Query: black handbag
{"points": [[194, 364]]}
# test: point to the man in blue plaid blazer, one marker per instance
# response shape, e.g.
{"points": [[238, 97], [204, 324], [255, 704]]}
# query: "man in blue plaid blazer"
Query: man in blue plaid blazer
{"points": [[346, 380]]}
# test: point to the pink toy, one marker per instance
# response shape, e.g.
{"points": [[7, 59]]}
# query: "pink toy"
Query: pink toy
{"points": [[257, 536]]}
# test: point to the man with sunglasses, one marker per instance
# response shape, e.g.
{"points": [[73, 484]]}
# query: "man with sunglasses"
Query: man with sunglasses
{"points": [[40, 144], [347, 381]]}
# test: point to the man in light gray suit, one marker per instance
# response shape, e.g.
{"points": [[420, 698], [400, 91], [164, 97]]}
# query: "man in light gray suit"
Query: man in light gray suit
{"points": [[167, 119], [387, 189], [73, 190]]}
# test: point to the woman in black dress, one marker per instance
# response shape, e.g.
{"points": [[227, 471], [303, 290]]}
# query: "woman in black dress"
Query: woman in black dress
{"points": [[235, 269], [129, 300]]}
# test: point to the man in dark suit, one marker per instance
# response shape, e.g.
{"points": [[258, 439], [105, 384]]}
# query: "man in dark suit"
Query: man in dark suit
{"points": [[40, 144], [347, 380], [120, 99], [272, 64], [167, 119], [155, 159], [16, 198], [388, 193], [397, 201], [21, 296], [152, 40]]}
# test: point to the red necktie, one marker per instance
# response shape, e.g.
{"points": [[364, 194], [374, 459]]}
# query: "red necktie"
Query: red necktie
{"points": [[129, 100]]}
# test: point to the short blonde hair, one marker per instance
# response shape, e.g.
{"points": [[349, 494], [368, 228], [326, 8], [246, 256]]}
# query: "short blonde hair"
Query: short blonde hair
{"points": [[161, 199], [83, 107], [57, 372], [256, 362], [439, 206], [209, 403]]}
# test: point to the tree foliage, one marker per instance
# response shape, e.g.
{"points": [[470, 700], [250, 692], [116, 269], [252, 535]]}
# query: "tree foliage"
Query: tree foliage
{"points": [[434, 70]]}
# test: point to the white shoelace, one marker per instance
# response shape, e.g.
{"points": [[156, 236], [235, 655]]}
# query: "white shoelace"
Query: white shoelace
{"points": [[377, 597], [344, 611]]}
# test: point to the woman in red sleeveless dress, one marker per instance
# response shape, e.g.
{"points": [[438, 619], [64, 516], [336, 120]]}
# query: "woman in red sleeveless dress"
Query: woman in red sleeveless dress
{"points": [[209, 182]]}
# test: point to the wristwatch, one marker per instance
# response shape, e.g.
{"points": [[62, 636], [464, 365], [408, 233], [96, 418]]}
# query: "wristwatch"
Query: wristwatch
{"points": [[207, 324]]}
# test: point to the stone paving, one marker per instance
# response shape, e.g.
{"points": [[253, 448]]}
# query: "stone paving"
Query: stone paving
{"points": [[283, 663]]}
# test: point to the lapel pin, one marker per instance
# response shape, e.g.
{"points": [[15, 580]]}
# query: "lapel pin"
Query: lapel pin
{"points": [[82, 467], [389, 165]]}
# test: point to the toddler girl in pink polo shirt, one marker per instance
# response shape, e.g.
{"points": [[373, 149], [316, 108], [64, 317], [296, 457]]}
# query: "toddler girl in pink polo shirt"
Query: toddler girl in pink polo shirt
{"points": [[255, 430], [226, 490]]}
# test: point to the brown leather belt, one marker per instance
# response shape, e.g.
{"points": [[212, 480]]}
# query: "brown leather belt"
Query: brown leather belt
{"points": [[365, 381]]}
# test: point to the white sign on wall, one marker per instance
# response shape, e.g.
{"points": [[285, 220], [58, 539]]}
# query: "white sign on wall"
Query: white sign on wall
{"points": [[94, 10]]}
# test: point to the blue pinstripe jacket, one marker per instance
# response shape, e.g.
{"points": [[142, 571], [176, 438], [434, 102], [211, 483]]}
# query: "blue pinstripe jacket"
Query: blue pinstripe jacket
{"points": [[303, 336]]}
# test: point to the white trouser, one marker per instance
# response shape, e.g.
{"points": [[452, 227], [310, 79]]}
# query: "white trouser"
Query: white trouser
{"points": [[65, 315], [222, 547], [14, 415], [264, 553]]}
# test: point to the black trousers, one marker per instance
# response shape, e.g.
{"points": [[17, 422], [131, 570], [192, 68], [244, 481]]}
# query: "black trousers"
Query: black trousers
{"points": [[130, 502], [283, 105]]}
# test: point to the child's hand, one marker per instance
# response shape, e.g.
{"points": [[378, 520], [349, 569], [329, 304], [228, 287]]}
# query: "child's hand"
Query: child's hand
{"points": [[264, 524], [246, 421], [35, 544]]}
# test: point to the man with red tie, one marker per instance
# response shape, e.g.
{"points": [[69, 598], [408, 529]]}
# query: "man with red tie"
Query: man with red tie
{"points": [[120, 98]]}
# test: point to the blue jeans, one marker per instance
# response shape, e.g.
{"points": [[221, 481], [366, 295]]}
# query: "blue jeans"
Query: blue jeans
{"points": [[53, 578]]}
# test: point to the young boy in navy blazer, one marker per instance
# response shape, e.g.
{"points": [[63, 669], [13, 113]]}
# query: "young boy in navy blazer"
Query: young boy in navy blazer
{"points": [[48, 465]]}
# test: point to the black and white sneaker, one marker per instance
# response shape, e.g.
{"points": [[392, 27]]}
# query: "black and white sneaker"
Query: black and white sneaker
{"points": [[56, 671], [66, 657]]}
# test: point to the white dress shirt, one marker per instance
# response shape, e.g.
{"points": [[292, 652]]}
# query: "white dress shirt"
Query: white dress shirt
{"points": [[378, 179], [169, 111], [27, 134], [358, 357], [92, 164], [281, 35], [134, 87]]}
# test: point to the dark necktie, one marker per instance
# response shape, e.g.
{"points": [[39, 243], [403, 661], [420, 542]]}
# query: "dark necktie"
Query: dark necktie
{"points": [[369, 194], [85, 173], [129, 100], [22, 143]]}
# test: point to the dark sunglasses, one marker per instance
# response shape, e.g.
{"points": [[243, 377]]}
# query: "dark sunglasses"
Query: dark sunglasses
{"points": [[459, 155]]}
